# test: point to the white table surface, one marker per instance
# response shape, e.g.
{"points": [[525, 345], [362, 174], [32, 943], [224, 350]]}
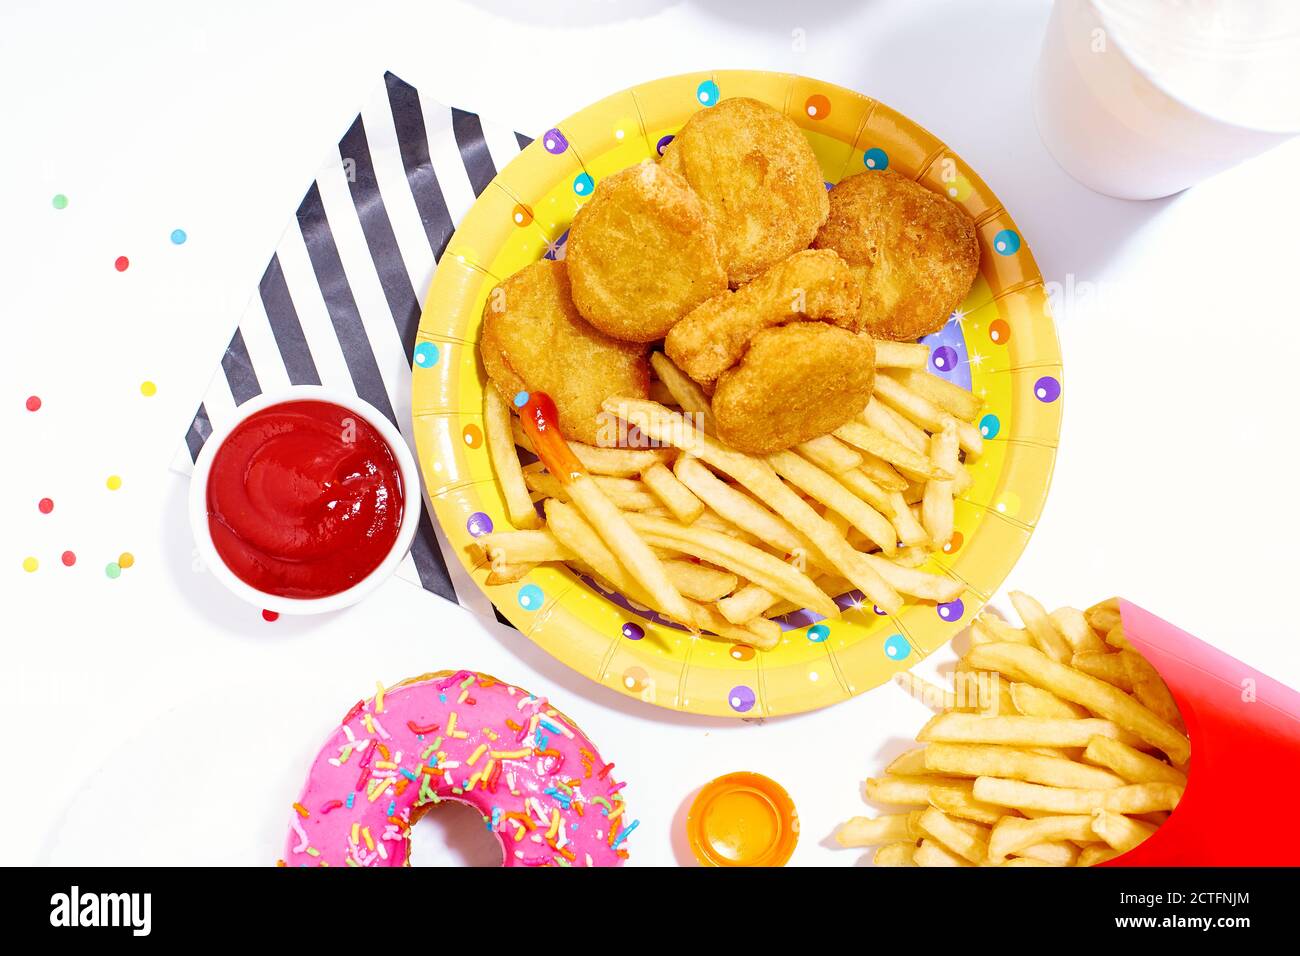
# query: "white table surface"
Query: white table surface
{"points": [[154, 719]]}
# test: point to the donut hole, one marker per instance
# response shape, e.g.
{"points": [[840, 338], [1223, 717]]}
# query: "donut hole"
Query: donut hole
{"points": [[452, 834]]}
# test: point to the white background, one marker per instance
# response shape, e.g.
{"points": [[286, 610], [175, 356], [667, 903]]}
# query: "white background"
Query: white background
{"points": [[155, 719]]}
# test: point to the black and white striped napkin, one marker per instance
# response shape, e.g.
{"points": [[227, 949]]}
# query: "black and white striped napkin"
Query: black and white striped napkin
{"points": [[339, 302]]}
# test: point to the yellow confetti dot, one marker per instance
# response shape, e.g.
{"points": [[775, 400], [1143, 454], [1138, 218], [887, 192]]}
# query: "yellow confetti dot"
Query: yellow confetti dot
{"points": [[125, 559], [148, 388], [30, 564], [114, 482]]}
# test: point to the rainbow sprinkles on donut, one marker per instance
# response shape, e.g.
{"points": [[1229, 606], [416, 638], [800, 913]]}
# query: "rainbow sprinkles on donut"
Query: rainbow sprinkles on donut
{"points": [[539, 783]]}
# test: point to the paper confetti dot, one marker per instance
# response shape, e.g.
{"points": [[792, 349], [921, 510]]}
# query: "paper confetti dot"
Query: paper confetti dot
{"points": [[270, 615], [113, 570], [121, 263], [59, 201], [530, 597], [148, 389], [69, 559], [178, 236], [896, 647], [741, 698], [125, 560], [30, 565], [46, 505], [33, 403], [114, 482]]}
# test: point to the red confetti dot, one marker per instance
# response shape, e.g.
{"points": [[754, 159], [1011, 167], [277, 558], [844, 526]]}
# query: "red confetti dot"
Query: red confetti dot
{"points": [[46, 505], [69, 559], [270, 616], [33, 403], [121, 263]]}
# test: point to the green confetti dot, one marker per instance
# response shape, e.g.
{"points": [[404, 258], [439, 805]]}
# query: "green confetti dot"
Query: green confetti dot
{"points": [[60, 201], [113, 569]]}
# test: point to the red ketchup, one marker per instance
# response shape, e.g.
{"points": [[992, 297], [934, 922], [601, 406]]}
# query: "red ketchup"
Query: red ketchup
{"points": [[304, 499]]}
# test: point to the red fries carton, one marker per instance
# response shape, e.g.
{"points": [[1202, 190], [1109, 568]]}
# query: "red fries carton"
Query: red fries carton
{"points": [[1239, 808]]}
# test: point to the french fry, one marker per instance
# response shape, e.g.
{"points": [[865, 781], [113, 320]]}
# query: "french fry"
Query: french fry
{"points": [[1031, 701], [505, 462], [738, 508], [1115, 638], [936, 505], [986, 760], [951, 398], [1002, 631], [866, 831], [615, 462], [1040, 627], [523, 547], [829, 454], [932, 853], [824, 488], [749, 562], [665, 485], [1104, 615], [893, 425], [1094, 854], [1149, 687], [970, 846], [858, 482], [908, 789], [1032, 666], [882, 473], [507, 573], [660, 393], [1016, 731], [931, 587], [901, 354], [1120, 832], [1104, 666], [684, 389], [895, 854], [700, 583], [668, 428], [747, 603], [877, 443], [963, 805], [925, 414], [1073, 626], [1130, 798], [909, 530], [1013, 834], [628, 494], [1133, 765], [764, 636], [909, 763], [1053, 853]]}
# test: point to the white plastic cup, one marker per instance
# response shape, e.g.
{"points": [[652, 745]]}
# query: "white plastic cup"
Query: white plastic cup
{"points": [[1140, 100]]}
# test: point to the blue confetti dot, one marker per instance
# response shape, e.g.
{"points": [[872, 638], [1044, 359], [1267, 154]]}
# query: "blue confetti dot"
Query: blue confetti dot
{"points": [[178, 236], [896, 647], [426, 355], [1006, 242], [741, 698], [520, 399], [478, 524], [707, 93], [1047, 389], [875, 158], [990, 426], [663, 142], [633, 632], [818, 633], [530, 597], [952, 611], [583, 184]]}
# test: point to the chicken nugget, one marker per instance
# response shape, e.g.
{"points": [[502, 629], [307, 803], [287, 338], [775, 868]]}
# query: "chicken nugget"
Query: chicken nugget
{"points": [[534, 340], [813, 284], [913, 250], [796, 382], [758, 179], [641, 254]]}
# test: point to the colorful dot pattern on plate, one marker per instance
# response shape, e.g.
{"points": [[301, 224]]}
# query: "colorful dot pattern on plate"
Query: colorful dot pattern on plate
{"points": [[148, 389], [1000, 343], [69, 558], [426, 355], [33, 403], [121, 263], [45, 505], [60, 201]]}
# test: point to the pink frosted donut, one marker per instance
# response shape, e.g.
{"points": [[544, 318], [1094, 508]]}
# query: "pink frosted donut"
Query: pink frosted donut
{"points": [[539, 783]]}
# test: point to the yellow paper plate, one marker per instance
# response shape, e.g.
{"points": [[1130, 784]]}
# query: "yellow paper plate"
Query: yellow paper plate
{"points": [[1001, 343]]}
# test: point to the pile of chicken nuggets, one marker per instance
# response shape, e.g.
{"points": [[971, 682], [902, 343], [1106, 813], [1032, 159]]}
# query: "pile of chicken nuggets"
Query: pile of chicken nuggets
{"points": [[761, 284], [769, 298]]}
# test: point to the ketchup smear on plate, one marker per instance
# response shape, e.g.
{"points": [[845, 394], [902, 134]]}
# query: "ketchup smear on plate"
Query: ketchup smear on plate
{"points": [[304, 499]]}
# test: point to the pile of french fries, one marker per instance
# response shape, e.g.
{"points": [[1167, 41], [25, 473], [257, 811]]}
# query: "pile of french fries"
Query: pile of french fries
{"points": [[737, 540], [1059, 745]]}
